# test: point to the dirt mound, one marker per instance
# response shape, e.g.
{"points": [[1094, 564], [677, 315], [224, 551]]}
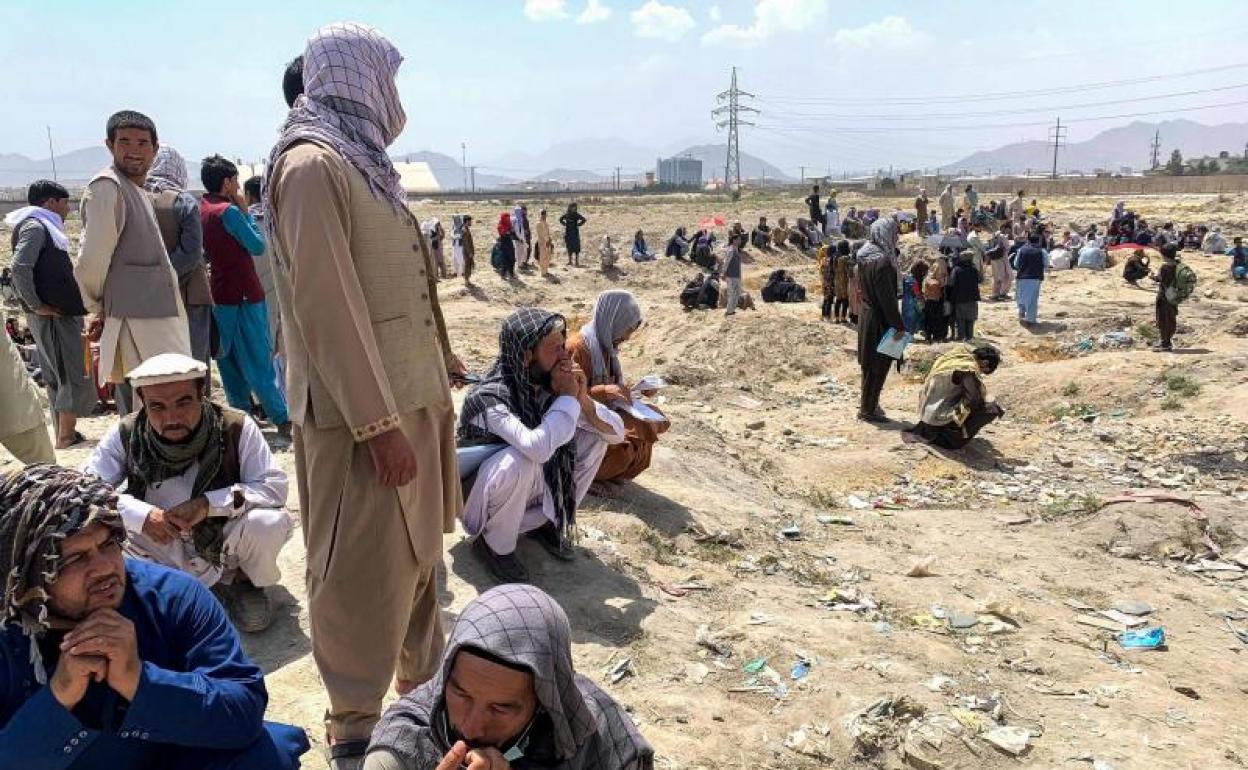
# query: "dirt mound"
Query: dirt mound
{"points": [[1166, 530]]}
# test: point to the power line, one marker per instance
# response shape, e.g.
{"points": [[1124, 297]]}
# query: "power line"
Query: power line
{"points": [[790, 114], [999, 94], [730, 105]]}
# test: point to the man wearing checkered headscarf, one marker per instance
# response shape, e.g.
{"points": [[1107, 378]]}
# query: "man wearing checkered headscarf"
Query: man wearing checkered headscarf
{"points": [[367, 362], [566, 722], [551, 437]]}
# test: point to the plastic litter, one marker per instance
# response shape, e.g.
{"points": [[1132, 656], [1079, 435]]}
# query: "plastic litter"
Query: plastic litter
{"points": [[857, 503], [845, 520], [621, 670], [755, 666], [1012, 740], [922, 568], [1143, 639], [801, 670]]}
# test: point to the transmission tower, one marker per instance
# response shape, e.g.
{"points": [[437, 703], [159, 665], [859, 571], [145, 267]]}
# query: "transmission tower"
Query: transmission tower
{"points": [[1057, 136], [1156, 149], [731, 106]]}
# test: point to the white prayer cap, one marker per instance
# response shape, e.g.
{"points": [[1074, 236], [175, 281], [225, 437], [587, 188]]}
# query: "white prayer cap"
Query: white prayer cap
{"points": [[166, 367]]}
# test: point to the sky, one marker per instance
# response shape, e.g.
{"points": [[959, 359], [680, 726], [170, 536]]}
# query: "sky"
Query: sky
{"points": [[846, 86]]}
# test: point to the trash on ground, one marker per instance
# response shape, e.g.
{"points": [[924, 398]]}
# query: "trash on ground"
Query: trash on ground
{"points": [[1012, 740], [923, 568], [1143, 639], [1133, 608], [622, 669]]}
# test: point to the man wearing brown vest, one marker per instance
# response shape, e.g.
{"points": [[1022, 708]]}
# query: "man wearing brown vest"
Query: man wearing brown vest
{"points": [[123, 269], [177, 215], [368, 359], [203, 493]]}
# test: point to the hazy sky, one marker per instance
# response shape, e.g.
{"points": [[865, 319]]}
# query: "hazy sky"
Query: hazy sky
{"points": [[850, 85]]}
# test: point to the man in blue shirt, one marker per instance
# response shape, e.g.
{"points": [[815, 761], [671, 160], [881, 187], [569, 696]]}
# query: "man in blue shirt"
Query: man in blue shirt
{"points": [[112, 663]]}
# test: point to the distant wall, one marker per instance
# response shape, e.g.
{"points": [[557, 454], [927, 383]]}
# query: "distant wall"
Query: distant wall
{"points": [[1148, 185]]}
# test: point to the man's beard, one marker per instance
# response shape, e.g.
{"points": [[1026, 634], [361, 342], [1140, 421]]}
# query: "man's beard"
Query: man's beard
{"points": [[539, 376]]}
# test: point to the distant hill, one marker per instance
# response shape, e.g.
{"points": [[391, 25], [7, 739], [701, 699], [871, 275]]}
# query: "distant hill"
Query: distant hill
{"points": [[1125, 146], [73, 168], [449, 172], [596, 154], [713, 156], [568, 176]]}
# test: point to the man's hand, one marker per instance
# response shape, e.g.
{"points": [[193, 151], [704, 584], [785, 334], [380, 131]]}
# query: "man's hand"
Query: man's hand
{"points": [[898, 334], [72, 676], [563, 381], [158, 527], [48, 311], [457, 368], [185, 516], [609, 393], [95, 329], [582, 384], [106, 634], [393, 457], [476, 759]]}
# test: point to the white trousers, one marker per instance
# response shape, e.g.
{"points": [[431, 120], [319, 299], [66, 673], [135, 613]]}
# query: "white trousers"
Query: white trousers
{"points": [[510, 497], [252, 544]]}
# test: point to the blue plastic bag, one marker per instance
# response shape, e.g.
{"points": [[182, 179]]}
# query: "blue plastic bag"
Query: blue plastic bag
{"points": [[1143, 638]]}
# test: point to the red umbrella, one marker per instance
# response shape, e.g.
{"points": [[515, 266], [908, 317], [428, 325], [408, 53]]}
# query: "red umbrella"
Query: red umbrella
{"points": [[711, 221]]}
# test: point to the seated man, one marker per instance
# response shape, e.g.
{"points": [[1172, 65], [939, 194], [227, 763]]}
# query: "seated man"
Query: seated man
{"points": [[1214, 242], [534, 404], [677, 245], [1136, 267], [507, 696], [760, 236], [202, 493], [111, 663], [954, 405], [1239, 259]]}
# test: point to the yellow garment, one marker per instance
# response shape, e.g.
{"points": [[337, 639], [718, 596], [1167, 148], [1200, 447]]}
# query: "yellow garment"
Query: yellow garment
{"points": [[939, 404]]}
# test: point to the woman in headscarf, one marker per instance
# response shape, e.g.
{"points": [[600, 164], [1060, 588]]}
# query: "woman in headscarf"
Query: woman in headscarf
{"points": [[880, 315], [595, 348], [572, 222], [954, 405], [510, 635], [503, 259], [641, 252], [842, 271], [935, 325]]}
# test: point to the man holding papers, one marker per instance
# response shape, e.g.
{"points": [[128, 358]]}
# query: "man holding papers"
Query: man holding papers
{"points": [[880, 314]]}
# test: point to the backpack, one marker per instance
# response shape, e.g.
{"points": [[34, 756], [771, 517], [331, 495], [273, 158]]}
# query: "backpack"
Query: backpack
{"points": [[1184, 281], [496, 256]]}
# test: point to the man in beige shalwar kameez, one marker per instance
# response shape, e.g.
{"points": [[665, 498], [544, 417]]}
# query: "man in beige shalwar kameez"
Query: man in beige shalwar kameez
{"points": [[22, 429], [123, 270], [368, 359]]}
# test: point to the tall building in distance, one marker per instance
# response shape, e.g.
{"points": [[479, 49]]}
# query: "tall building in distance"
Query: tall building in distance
{"points": [[680, 172]]}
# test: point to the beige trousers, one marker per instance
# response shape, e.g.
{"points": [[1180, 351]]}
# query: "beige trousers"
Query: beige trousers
{"points": [[32, 446], [372, 557]]}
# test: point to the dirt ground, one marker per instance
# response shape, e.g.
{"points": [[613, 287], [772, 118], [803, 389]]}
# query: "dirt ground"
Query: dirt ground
{"points": [[755, 577]]}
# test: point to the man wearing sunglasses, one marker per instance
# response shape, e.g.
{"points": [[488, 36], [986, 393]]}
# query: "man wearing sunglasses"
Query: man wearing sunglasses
{"points": [[110, 663]]}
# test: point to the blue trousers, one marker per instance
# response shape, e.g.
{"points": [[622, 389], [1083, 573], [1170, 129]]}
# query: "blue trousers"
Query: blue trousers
{"points": [[245, 359], [279, 748], [1027, 294]]}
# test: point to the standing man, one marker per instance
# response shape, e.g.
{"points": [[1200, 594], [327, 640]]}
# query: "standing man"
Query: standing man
{"points": [[232, 241], [368, 360], [264, 271], [970, 202], [43, 277], [878, 281], [812, 203], [123, 269], [732, 271], [946, 207], [1167, 302], [1030, 262], [1017, 208], [177, 213], [920, 210]]}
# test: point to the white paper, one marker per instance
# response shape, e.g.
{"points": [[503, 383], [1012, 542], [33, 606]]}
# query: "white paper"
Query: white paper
{"points": [[650, 382], [639, 409], [891, 347]]}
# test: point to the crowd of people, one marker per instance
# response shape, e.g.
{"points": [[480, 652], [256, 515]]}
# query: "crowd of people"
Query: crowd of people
{"points": [[126, 583]]}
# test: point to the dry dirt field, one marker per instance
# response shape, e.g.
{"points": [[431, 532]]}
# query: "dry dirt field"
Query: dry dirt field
{"points": [[773, 528]]}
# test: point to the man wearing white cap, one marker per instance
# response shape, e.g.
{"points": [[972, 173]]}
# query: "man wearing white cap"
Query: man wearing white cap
{"points": [[202, 491]]}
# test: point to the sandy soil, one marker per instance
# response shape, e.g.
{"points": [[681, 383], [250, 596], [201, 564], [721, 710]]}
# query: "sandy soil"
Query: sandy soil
{"points": [[687, 573]]}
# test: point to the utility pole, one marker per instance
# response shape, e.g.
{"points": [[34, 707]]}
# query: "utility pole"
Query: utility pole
{"points": [[463, 149], [1156, 149], [1058, 138], [472, 171], [617, 178], [802, 171], [730, 104], [52, 155]]}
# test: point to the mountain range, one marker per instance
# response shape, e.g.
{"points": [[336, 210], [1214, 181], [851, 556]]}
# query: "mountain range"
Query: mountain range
{"points": [[1128, 146]]}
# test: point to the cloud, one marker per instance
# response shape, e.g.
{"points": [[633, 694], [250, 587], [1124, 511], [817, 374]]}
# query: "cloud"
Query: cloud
{"points": [[662, 22], [889, 32], [546, 10], [715, 14], [770, 17], [594, 12]]}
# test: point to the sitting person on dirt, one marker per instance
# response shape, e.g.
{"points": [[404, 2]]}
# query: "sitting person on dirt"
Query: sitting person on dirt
{"points": [[534, 406], [701, 293], [780, 233], [110, 662], [640, 252], [595, 349], [1190, 238], [954, 404], [203, 493], [782, 287], [760, 236], [704, 249], [1214, 242], [799, 236], [1136, 267], [678, 245], [507, 696], [608, 254], [1239, 259]]}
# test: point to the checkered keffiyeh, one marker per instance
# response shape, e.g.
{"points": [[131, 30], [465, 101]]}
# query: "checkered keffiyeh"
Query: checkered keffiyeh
{"points": [[350, 103], [525, 627], [168, 171], [509, 384]]}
